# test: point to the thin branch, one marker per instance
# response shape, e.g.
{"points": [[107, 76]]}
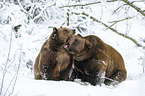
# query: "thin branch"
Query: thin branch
{"points": [[115, 22], [41, 12], [126, 1], [68, 15], [17, 71], [31, 15], [9, 85], [23, 10], [122, 19], [87, 4], [112, 29], [117, 9], [5, 69], [135, 7]]}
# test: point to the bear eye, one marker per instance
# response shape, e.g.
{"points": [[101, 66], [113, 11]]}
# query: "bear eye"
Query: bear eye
{"points": [[66, 30]]}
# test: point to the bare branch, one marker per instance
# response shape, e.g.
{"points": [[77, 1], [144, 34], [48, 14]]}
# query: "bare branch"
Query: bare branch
{"points": [[87, 4], [114, 30], [115, 22], [126, 1], [117, 9], [5, 69], [68, 15], [23, 10], [31, 15], [135, 7], [122, 19], [16, 76], [40, 14]]}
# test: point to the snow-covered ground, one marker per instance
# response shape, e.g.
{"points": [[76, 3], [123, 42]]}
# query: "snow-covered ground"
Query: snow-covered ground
{"points": [[17, 55], [29, 87]]}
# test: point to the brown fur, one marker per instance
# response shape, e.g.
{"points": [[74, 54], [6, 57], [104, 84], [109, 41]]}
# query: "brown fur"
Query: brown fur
{"points": [[95, 60], [53, 62]]}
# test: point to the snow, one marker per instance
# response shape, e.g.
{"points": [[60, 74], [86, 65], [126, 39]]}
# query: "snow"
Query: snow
{"points": [[29, 87], [19, 81]]}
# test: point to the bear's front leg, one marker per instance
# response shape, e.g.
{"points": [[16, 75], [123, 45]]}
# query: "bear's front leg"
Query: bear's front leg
{"points": [[46, 75], [100, 77], [97, 78], [56, 73], [98, 72]]}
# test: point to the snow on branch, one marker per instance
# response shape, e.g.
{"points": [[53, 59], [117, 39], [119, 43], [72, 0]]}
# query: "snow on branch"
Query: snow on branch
{"points": [[126, 1], [31, 14], [135, 7], [112, 29], [87, 4]]}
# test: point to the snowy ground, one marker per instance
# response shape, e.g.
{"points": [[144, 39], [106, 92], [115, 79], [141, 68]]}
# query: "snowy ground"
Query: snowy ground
{"points": [[29, 87], [19, 79]]}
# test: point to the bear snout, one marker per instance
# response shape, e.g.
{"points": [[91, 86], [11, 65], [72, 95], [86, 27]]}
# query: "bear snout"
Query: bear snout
{"points": [[71, 50]]}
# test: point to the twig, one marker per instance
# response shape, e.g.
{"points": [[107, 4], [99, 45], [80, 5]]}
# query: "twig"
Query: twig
{"points": [[121, 19], [126, 1], [87, 4], [68, 14], [10, 64], [115, 22], [43, 11], [9, 85], [23, 10], [17, 71], [135, 7], [114, 30], [117, 9], [31, 15], [68, 17], [5, 69]]}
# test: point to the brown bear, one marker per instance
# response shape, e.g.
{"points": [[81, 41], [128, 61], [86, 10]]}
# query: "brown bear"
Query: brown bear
{"points": [[53, 62], [95, 61]]}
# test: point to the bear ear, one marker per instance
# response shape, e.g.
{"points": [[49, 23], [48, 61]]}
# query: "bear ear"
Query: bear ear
{"points": [[55, 29], [79, 35], [88, 44]]}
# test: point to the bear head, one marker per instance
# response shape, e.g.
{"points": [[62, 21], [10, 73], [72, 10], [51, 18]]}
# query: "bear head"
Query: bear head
{"points": [[62, 34], [78, 46]]}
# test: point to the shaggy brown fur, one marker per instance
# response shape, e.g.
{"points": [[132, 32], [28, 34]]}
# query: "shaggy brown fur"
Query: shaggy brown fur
{"points": [[95, 61], [53, 62]]}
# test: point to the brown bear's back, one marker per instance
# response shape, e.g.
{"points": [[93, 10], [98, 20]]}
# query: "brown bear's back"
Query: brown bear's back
{"points": [[106, 53]]}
